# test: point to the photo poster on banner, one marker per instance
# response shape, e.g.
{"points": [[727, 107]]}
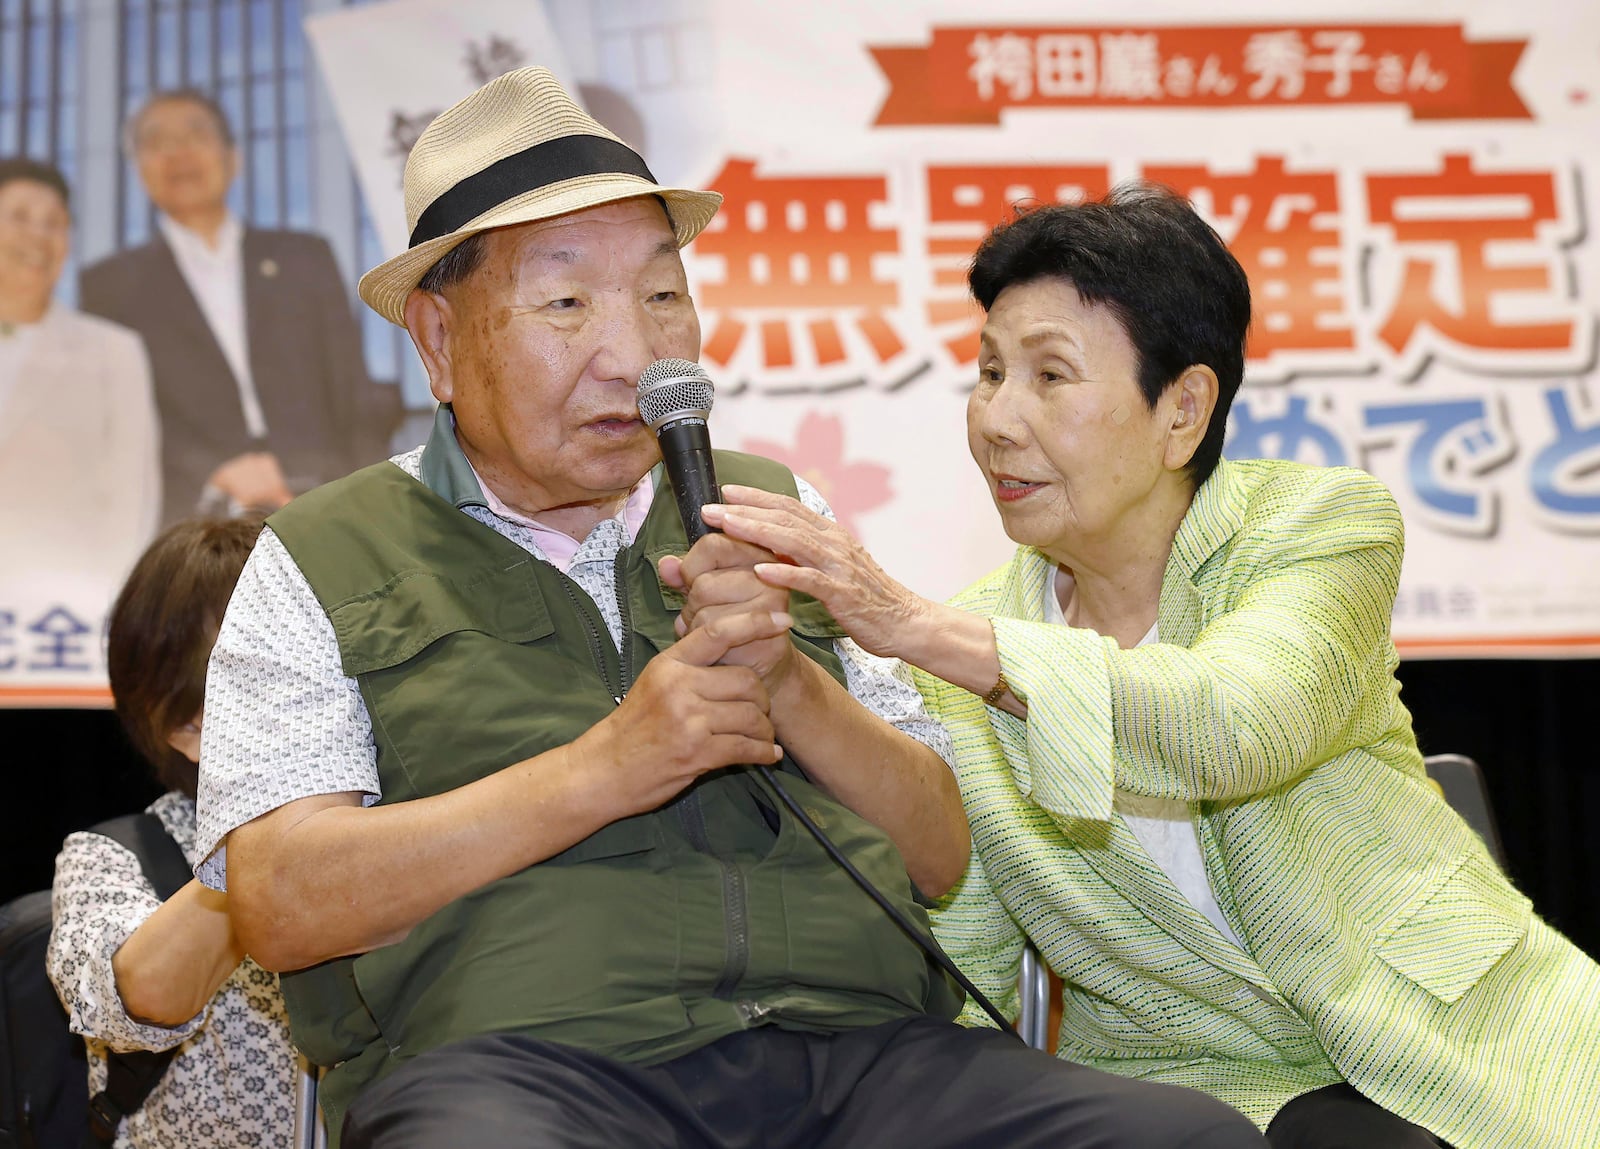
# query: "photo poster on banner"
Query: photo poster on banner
{"points": [[642, 69]]}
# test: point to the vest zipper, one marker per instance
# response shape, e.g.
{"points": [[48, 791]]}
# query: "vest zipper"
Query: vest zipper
{"points": [[735, 901], [625, 651], [615, 689], [735, 904]]}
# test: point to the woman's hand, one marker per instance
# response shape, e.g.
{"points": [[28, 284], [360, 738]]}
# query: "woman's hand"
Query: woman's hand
{"points": [[819, 558]]}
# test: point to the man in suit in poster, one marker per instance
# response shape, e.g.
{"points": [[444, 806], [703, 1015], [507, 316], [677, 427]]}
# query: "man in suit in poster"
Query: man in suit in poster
{"points": [[254, 350]]}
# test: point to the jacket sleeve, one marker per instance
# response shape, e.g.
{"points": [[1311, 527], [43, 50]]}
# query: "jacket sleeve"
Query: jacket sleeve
{"points": [[98, 899], [1293, 664]]}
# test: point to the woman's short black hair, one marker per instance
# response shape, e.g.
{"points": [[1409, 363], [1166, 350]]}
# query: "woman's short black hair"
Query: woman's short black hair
{"points": [[161, 631], [22, 168], [1145, 254]]}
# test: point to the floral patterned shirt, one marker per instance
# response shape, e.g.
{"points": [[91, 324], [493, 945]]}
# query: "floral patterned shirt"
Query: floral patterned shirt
{"points": [[232, 1081]]}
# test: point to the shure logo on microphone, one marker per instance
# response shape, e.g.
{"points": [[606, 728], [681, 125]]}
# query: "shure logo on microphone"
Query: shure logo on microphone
{"points": [[673, 389]]}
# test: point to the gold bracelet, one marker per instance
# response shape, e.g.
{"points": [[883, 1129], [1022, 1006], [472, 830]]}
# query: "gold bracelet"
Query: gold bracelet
{"points": [[998, 690]]}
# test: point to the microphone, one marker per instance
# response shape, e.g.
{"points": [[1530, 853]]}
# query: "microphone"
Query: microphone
{"points": [[675, 398]]}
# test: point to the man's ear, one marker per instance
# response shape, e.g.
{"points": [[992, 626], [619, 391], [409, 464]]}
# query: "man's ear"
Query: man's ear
{"points": [[430, 322], [1194, 401]]}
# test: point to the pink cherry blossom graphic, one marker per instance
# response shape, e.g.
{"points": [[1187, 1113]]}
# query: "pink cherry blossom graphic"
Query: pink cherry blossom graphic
{"points": [[818, 457]]}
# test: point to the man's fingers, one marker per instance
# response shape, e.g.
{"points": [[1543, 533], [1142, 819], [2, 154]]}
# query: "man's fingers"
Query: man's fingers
{"points": [[729, 587], [744, 719], [737, 750], [737, 615], [730, 684], [671, 572], [718, 551], [720, 592], [706, 645], [694, 619]]}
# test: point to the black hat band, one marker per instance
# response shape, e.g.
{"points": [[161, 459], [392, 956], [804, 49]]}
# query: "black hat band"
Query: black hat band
{"points": [[563, 158]]}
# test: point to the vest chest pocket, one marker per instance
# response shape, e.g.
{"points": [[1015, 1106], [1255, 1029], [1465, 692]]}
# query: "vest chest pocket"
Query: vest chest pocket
{"points": [[1455, 932], [393, 624], [464, 676]]}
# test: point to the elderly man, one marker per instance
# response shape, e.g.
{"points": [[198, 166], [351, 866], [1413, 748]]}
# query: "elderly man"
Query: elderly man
{"points": [[463, 780], [256, 357]]}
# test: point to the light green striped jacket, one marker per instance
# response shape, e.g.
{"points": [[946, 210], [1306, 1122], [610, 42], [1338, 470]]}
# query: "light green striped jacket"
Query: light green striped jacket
{"points": [[1385, 948]]}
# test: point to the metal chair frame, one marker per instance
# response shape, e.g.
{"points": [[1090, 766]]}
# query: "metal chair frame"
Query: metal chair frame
{"points": [[1033, 986], [310, 1132]]}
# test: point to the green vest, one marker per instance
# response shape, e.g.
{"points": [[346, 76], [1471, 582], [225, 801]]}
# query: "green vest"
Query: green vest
{"points": [[657, 934]]}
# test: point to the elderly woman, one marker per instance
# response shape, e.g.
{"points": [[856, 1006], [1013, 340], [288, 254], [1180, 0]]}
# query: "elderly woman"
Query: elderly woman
{"points": [[1191, 782]]}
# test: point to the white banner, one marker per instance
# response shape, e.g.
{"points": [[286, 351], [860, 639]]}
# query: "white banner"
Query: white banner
{"points": [[1406, 186], [1411, 187]]}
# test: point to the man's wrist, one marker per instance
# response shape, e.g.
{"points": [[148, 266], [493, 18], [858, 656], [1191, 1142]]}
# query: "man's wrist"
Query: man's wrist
{"points": [[583, 768], [795, 694]]}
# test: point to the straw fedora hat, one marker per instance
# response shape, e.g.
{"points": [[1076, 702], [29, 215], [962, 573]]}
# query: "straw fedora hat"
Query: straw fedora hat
{"points": [[517, 150]]}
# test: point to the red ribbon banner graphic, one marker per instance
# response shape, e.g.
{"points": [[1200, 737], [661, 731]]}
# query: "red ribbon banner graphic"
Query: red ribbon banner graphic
{"points": [[970, 75]]}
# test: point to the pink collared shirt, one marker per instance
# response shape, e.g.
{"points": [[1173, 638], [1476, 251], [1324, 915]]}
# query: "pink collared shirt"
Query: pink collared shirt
{"points": [[558, 546]]}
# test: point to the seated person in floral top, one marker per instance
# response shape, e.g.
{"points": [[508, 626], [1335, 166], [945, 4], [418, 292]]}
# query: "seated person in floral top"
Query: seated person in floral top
{"points": [[137, 973]]}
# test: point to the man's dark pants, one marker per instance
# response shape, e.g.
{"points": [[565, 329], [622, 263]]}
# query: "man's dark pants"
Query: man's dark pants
{"points": [[920, 1083], [1337, 1117]]}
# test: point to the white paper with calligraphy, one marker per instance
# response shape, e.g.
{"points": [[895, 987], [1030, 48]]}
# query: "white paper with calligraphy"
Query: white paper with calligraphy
{"points": [[392, 67], [1411, 187]]}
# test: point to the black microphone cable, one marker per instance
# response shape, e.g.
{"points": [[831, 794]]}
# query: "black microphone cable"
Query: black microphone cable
{"points": [[675, 397], [929, 945]]}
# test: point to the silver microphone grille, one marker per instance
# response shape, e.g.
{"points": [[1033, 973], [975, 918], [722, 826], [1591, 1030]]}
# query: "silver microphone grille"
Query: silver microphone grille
{"points": [[670, 388]]}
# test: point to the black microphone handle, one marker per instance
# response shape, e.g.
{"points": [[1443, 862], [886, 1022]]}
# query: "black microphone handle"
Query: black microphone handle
{"points": [[686, 450]]}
